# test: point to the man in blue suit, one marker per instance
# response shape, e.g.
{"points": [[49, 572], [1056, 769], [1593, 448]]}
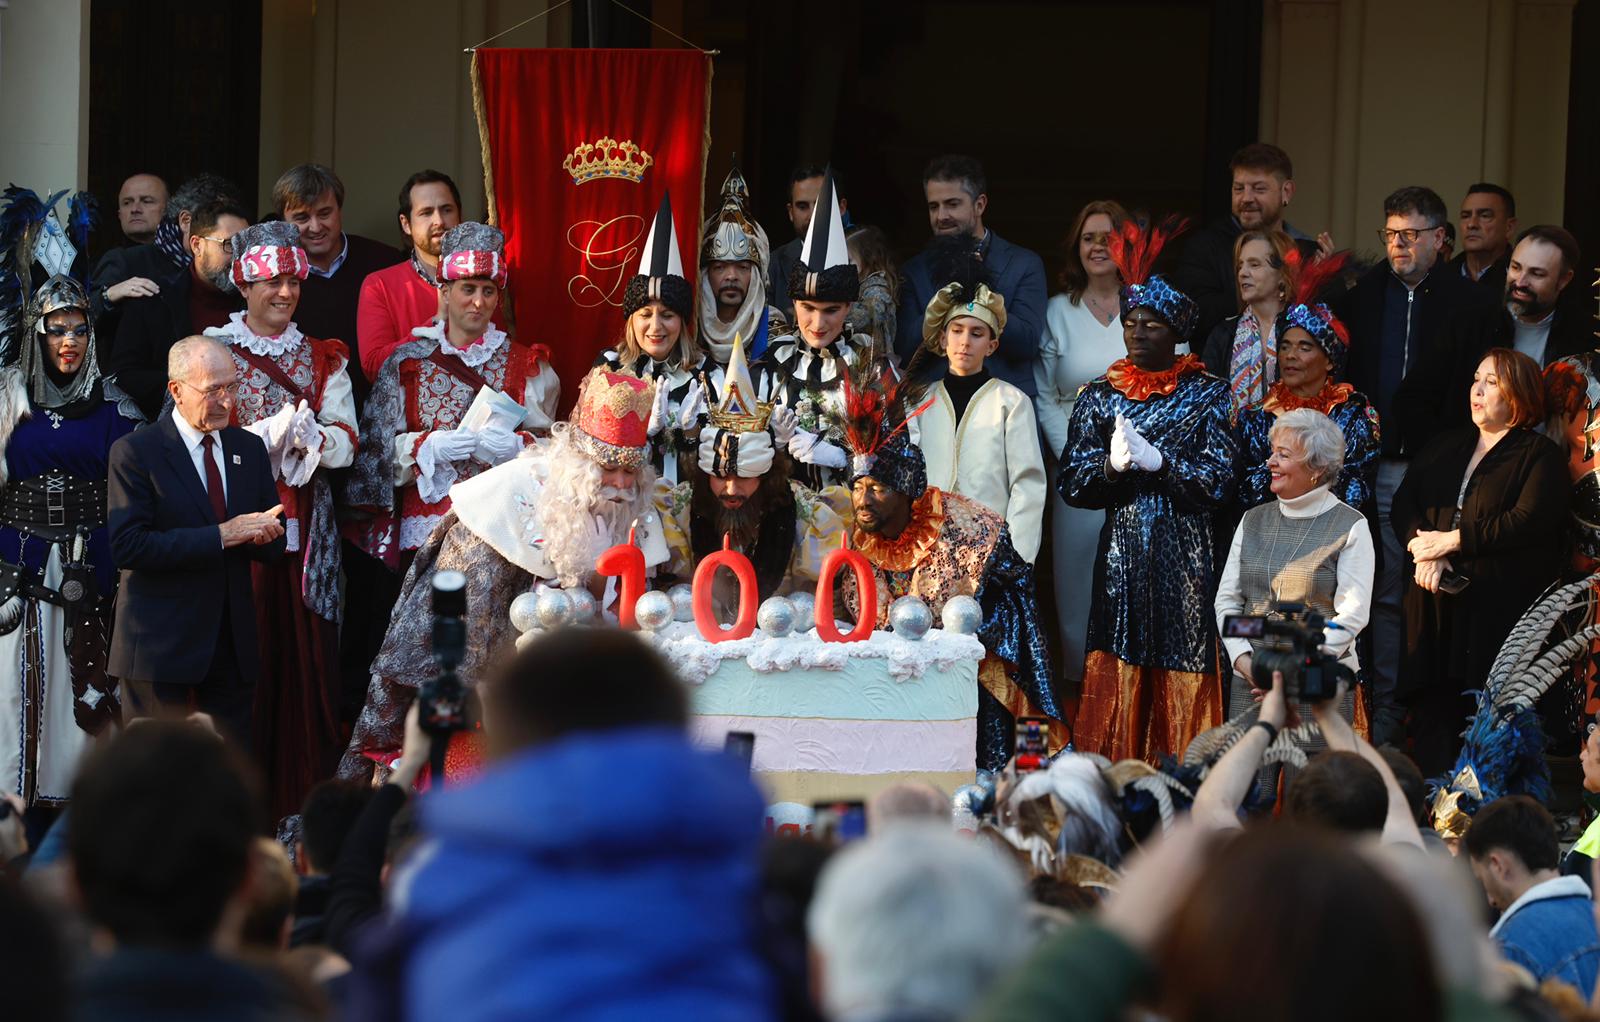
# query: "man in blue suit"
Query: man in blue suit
{"points": [[954, 187], [190, 504]]}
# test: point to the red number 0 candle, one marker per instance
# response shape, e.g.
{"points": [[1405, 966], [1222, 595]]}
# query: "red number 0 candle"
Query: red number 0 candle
{"points": [[866, 586], [705, 616], [627, 561]]}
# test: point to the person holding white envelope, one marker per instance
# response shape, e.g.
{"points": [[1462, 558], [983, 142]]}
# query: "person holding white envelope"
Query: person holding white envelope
{"points": [[458, 398]]}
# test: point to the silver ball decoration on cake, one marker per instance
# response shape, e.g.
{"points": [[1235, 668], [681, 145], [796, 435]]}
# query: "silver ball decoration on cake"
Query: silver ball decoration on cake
{"points": [[910, 617], [776, 616], [524, 612], [967, 799], [653, 611], [961, 615], [682, 598], [584, 606], [553, 608], [805, 610]]}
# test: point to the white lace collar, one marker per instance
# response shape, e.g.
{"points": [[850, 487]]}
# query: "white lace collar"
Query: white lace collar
{"points": [[235, 332], [474, 354]]}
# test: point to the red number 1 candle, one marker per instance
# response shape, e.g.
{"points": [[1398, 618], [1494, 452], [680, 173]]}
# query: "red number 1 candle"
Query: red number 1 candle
{"points": [[627, 562]]}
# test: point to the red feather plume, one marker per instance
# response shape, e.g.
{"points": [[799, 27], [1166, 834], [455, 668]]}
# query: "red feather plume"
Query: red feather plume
{"points": [[1134, 247], [871, 391], [1315, 277]]}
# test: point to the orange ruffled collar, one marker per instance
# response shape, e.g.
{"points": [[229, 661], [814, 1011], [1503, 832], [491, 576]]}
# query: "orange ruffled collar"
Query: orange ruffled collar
{"points": [[1138, 384], [1281, 399], [906, 550]]}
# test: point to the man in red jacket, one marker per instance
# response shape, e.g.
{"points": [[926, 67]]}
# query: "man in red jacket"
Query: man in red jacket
{"points": [[405, 296]]}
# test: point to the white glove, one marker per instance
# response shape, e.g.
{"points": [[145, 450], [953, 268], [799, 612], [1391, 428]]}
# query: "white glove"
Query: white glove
{"points": [[692, 406], [1120, 458], [274, 428], [497, 445], [1145, 457], [658, 411], [813, 450], [783, 425], [305, 433], [451, 444]]}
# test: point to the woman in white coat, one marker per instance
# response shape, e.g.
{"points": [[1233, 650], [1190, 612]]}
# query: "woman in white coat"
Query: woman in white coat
{"points": [[978, 435], [1082, 337]]}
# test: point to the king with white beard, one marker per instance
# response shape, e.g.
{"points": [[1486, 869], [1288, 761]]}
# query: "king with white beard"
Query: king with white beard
{"points": [[541, 518]]}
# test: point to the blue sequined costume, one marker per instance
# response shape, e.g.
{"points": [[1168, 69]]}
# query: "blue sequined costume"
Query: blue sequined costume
{"points": [[1150, 676], [1350, 411]]}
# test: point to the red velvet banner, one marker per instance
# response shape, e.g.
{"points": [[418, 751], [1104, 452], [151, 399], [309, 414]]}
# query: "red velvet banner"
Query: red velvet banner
{"points": [[579, 146]]}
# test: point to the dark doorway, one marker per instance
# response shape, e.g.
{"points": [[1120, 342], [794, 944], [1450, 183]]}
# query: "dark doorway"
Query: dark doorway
{"points": [[1063, 102], [174, 89]]}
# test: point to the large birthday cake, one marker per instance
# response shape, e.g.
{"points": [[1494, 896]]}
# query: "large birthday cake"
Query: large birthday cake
{"points": [[836, 720]]}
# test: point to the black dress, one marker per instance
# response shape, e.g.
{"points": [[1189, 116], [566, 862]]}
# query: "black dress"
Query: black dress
{"points": [[1513, 520]]}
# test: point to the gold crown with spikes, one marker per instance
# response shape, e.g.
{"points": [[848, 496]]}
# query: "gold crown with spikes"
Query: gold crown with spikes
{"points": [[606, 157], [739, 411]]}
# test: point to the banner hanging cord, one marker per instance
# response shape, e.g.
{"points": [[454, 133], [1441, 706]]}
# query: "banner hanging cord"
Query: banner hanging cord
{"points": [[615, 3], [547, 11]]}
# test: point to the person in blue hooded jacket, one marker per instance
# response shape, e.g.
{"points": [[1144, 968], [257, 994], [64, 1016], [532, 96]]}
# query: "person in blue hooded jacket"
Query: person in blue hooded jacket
{"points": [[600, 867]]}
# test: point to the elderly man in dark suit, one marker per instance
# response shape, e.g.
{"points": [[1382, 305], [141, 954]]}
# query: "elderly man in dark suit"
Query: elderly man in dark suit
{"points": [[954, 187], [190, 503]]}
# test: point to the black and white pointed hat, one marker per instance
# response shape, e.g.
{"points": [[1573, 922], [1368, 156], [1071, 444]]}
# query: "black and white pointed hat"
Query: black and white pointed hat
{"points": [[825, 272], [660, 277]]}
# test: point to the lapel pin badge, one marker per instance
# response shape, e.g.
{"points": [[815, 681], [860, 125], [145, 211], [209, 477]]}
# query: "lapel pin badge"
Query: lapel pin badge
{"points": [[236, 460]]}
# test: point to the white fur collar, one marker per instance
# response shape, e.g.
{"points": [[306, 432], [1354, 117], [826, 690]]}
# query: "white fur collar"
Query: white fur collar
{"points": [[474, 354], [236, 332]]}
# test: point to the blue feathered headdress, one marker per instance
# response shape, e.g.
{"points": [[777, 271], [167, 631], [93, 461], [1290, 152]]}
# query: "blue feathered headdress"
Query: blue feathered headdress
{"points": [[23, 218]]}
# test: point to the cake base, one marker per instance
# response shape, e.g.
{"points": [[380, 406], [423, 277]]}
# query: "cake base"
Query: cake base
{"points": [[836, 721]]}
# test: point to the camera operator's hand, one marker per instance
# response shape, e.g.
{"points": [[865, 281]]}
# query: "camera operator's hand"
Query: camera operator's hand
{"points": [[414, 754], [1276, 709], [1430, 573]]}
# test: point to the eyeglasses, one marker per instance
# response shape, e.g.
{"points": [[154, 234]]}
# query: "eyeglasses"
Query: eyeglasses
{"points": [[222, 392], [62, 331], [1097, 237], [1408, 234], [214, 241]]}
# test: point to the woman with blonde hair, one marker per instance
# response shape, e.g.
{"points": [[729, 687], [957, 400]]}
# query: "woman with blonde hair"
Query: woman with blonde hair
{"points": [[1243, 349], [658, 344]]}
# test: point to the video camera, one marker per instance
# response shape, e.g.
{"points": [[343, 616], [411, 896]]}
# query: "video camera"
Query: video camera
{"points": [[1289, 638], [443, 697]]}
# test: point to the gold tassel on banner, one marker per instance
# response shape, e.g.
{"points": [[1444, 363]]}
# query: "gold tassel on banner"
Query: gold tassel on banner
{"points": [[479, 110]]}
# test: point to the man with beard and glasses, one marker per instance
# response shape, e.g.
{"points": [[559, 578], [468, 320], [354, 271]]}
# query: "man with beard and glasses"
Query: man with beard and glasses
{"points": [[743, 492], [924, 542], [1534, 319], [399, 299], [539, 519], [194, 299], [733, 286]]}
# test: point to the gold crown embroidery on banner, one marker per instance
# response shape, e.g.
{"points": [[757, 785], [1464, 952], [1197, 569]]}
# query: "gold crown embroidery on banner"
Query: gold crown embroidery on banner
{"points": [[607, 157]]}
